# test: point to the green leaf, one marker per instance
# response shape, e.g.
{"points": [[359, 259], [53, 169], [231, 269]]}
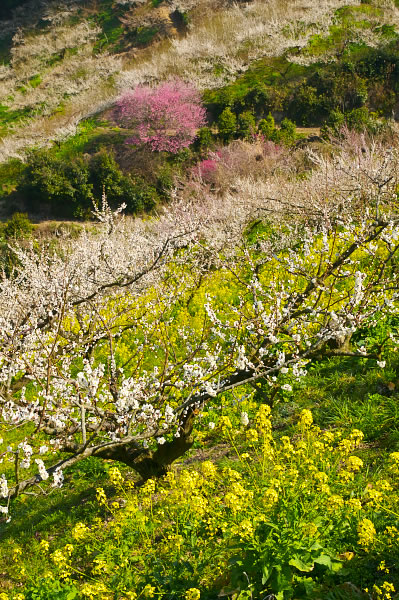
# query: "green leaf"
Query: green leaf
{"points": [[265, 574], [299, 564], [324, 559]]}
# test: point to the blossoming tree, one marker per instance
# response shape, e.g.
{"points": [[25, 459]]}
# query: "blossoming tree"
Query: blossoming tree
{"points": [[111, 348], [165, 117]]}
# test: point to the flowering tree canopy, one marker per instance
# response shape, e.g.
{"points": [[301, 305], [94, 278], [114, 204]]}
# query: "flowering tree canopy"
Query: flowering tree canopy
{"points": [[164, 118], [112, 347]]}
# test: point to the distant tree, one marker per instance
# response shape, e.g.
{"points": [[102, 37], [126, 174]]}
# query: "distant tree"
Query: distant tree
{"points": [[267, 126], [258, 99], [227, 124], [287, 132], [165, 118], [246, 125], [61, 186]]}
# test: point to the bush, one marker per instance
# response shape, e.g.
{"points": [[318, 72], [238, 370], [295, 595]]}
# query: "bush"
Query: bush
{"points": [[246, 125], [106, 176], [286, 134], [306, 107], [227, 125], [51, 183], [19, 226], [267, 127], [258, 99], [358, 119], [204, 140]]}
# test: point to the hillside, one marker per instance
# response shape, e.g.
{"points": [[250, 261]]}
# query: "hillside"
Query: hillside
{"points": [[199, 301]]}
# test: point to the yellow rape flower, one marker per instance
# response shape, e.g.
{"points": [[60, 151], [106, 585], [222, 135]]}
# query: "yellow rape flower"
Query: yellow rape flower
{"points": [[374, 496], [309, 529], [225, 423], [251, 436], [383, 485], [382, 567], [100, 495], [148, 591], [306, 418], [262, 419], [80, 531], [17, 552], [208, 469], [335, 502], [90, 590], [366, 532], [354, 504], [192, 594], [270, 497], [44, 546], [149, 487], [354, 463], [394, 460], [58, 558], [115, 476], [244, 530], [68, 549]]}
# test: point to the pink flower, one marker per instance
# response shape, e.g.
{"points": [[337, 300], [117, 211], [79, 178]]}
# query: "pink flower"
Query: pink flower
{"points": [[166, 118]]}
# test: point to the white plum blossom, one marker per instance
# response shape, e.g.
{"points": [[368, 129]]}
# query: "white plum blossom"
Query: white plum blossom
{"points": [[42, 469], [58, 477], [286, 387], [244, 420], [3, 487]]}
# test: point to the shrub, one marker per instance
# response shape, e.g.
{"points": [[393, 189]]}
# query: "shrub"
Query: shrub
{"points": [[258, 99], [267, 127], [227, 124], [306, 106], [165, 118], [106, 176], [204, 141], [63, 186], [286, 134], [358, 119], [19, 226], [246, 125]]}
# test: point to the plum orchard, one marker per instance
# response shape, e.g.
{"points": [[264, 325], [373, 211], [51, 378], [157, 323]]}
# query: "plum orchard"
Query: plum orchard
{"points": [[113, 346]]}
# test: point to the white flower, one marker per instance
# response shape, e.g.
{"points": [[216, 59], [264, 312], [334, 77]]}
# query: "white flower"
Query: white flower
{"points": [[3, 487], [58, 477], [286, 387], [43, 449], [381, 363], [42, 468], [211, 425], [4, 510], [161, 441], [244, 419]]}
